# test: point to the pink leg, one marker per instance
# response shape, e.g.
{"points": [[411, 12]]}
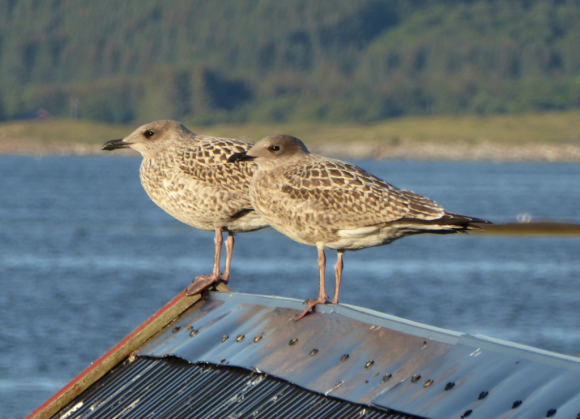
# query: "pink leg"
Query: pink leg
{"points": [[338, 272], [322, 297], [200, 283], [229, 251]]}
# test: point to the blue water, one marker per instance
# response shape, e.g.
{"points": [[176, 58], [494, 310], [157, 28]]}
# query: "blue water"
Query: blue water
{"points": [[85, 257]]}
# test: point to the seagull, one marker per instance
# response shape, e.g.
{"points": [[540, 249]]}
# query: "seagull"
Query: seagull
{"points": [[187, 175], [332, 204]]}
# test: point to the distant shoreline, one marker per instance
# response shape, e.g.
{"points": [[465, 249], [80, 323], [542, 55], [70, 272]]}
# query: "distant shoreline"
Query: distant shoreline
{"points": [[404, 150], [456, 151], [540, 137]]}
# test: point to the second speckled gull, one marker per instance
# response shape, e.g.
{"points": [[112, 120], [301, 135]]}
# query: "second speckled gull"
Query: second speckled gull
{"points": [[332, 204], [188, 176]]}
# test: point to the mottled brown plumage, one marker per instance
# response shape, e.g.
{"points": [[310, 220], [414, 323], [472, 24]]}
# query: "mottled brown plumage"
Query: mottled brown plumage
{"points": [[332, 204], [187, 175]]}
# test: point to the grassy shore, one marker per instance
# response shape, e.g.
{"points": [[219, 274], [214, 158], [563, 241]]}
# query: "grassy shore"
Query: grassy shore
{"points": [[553, 136]]}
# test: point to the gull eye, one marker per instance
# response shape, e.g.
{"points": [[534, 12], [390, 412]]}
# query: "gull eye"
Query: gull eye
{"points": [[275, 148], [148, 133]]}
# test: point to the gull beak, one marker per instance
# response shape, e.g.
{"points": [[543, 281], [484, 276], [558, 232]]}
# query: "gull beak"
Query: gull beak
{"points": [[234, 158], [115, 144]]}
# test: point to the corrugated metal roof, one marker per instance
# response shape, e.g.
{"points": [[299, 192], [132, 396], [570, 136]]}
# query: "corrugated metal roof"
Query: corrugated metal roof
{"points": [[117, 354], [374, 359], [171, 388]]}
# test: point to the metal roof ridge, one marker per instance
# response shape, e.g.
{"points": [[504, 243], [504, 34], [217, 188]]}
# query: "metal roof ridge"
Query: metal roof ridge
{"points": [[403, 325], [157, 328], [535, 354], [359, 313]]}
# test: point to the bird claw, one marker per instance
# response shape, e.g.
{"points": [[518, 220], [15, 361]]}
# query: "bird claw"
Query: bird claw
{"points": [[203, 282], [311, 305]]}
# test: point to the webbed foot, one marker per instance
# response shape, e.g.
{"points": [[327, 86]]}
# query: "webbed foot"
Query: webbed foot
{"points": [[311, 305], [203, 282]]}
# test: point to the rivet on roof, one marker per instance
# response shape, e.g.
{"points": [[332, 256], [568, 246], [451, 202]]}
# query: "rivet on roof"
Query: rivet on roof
{"points": [[467, 413], [449, 386], [226, 337], [175, 329], [551, 413], [240, 338], [415, 378], [387, 377], [516, 404], [293, 341], [428, 383], [313, 352], [483, 395], [258, 338], [344, 357], [193, 332], [369, 363]]}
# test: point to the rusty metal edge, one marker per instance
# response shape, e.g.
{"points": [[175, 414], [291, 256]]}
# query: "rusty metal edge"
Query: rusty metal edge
{"points": [[118, 353], [533, 228]]}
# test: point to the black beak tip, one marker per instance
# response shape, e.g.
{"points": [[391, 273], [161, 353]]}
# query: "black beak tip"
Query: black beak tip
{"points": [[236, 157], [114, 144]]}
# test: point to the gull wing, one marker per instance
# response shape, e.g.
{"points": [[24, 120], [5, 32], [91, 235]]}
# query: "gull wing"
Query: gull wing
{"points": [[206, 161], [348, 196]]}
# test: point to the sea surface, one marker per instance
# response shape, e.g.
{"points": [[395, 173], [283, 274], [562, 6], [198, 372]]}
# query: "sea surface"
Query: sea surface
{"points": [[85, 257]]}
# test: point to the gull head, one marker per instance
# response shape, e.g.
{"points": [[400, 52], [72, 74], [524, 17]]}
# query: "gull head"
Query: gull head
{"points": [[273, 151], [151, 139]]}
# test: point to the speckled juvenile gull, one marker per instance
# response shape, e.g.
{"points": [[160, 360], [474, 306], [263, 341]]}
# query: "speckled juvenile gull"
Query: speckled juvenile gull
{"points": [[188, 176], [332, 204]]}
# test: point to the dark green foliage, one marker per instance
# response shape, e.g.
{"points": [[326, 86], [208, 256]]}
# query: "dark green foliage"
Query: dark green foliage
{"points": [[112, 102], [279, 61], [223, 93]]}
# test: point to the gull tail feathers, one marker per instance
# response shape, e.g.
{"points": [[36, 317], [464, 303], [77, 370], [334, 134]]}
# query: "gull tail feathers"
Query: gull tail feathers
{"points": [[449, 223]]}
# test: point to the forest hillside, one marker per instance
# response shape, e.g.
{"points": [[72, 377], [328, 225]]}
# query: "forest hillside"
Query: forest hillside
{"points": [[267, 61]]}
